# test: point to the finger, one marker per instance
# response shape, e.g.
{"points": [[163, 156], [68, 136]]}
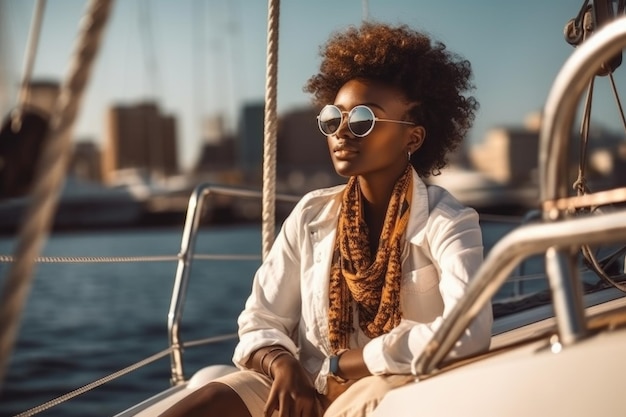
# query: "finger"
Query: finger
{"points": [[271, 404], [269, 409], [308, 409], [284, 409], [318, 409]]}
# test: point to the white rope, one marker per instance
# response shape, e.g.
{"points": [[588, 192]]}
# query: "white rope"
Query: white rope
{"points": [[49, 177], [131, 368], [29, 63], [73, 394], [120, 259], [270, 129]]}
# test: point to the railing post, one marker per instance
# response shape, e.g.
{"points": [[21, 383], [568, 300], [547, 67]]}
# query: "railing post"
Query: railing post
{"points": [[185, 257], [567, 293], [179, 292]]}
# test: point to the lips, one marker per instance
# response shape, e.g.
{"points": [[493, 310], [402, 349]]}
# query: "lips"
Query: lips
{"points": [[345, 152]]}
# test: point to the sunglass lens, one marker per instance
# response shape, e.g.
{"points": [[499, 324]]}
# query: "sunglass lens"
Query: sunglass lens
{"points": [[361, 120], [329, 120]]}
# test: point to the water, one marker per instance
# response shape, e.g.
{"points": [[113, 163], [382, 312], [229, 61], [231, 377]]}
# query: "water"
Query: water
{"points": [[85, 321]]}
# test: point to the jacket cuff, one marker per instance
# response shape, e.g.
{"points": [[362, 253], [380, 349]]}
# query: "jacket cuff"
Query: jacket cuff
{"points": [[373, 356], [251, 342]]}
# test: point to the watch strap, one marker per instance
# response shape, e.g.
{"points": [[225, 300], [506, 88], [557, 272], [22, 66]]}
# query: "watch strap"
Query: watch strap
{"points": [[333, 367]]}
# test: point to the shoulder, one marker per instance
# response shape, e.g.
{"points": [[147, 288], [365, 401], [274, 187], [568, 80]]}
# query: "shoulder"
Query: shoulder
{"points": [[319, 203], [434, 202], [436, 213], [319, 198], [449, 219], [442, 203], [322, 195]]}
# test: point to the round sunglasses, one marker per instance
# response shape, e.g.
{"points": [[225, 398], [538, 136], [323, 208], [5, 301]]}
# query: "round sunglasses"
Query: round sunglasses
{"points": [[361, 120]]}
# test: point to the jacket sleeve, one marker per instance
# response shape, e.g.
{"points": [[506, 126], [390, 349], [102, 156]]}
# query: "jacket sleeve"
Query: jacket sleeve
{"points": [[454, 239], [272, 311]]}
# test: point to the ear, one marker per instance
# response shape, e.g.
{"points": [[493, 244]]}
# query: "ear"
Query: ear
{"points": [[416, 138]]}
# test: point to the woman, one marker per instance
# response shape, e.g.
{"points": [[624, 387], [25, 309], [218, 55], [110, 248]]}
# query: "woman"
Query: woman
{"points": [[361, 275]]}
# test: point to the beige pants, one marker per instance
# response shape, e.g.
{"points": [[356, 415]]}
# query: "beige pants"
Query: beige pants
{"points": [[359, 400]]}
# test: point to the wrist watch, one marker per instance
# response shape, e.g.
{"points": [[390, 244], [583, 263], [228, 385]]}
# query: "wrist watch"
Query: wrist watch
{"points": [[330, 367]]}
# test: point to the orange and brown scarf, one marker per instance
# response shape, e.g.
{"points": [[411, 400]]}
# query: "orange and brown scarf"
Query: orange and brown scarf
{"points": [[374, 286]]}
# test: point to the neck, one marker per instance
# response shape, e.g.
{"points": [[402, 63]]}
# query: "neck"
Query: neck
{"points": [[377, 192]]}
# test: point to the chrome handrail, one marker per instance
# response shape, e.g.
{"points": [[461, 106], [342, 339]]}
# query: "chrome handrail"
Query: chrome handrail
{"points": [[556, 239], [559, 113], [527, 240], [185, 258]]}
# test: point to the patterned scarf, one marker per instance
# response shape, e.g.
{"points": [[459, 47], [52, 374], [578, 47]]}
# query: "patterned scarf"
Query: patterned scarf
{"points": [[375, 286]]}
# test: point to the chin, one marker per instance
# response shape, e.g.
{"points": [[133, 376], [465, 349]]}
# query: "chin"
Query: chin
{"points": [[345, 170]]}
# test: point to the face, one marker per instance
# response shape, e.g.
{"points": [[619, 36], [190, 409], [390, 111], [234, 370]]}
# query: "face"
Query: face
{"points": [[384, 150]]}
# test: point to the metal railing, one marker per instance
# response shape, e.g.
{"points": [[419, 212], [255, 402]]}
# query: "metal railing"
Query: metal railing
{"points": [[185, 258]]}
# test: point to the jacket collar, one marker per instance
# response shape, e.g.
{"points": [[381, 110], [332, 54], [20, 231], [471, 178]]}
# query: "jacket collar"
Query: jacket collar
{"points": [[416, 227], [420, 208]]}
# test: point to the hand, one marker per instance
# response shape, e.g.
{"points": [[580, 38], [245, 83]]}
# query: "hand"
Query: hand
{"points": [[292, 392]]}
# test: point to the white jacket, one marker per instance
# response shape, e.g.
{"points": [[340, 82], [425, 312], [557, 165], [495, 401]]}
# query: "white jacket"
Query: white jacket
{"points": [[289, 300]]}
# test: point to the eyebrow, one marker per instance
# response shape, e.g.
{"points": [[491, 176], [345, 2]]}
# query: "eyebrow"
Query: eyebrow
{"points": [[368, 104]]}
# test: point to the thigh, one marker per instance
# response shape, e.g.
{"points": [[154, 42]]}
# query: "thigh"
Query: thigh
{"points": [[212, 399], [364, 395], [252, 387]]}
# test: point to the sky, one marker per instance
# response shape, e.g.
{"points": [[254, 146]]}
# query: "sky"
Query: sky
{"points": [[207, 57]]}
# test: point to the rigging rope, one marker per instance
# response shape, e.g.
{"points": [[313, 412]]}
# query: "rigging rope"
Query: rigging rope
{"points": [[29, 63], [270, 129], [152, 258], [586, 26], [49, 177], [131, 368], [95, 384]]}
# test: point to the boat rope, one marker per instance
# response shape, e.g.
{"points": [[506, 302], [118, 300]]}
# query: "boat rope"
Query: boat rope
{"points": [[29, 63], [49, 177], [131, 368], [585, 201], [618, 102], [121, 259], [600, 267], [270, 129], [72, 394], [172, 258]]}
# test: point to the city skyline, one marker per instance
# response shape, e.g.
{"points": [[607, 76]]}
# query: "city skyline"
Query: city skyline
{"points": [[201, 58]]}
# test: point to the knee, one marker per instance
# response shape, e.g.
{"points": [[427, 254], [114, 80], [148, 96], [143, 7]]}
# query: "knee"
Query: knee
{"points": [[213, 399], [216, 396]]}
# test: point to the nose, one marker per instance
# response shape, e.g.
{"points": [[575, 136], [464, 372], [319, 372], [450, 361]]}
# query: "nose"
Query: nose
{"points": [[343, 130]]}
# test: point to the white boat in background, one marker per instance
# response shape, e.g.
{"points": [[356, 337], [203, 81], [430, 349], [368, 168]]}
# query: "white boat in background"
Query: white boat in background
{"points": [[477, 190], [561, 357], [82, 204]]}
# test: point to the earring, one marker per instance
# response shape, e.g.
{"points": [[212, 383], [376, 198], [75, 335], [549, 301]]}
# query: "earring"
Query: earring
{"points": [[409, 155]]}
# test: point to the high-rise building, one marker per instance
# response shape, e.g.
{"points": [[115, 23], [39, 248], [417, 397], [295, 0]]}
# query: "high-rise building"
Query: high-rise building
{"points": [[250, 145], [302, 155], [140, 137], [507, 155], [85, 163]]}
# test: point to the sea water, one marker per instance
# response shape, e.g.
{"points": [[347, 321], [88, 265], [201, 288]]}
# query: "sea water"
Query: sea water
{"points": [[84, 321]]}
